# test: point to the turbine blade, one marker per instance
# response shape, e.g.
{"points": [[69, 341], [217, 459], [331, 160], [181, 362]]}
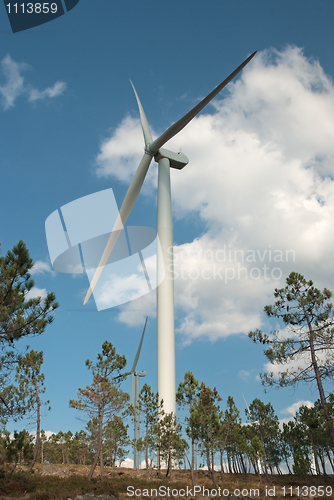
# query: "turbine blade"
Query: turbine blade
{"points": [[144, 123], [180, 124], [128, 202], [249, 413], [139, 348]]}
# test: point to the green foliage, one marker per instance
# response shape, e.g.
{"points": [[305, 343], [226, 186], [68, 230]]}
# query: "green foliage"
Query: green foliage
{"points": [[206, 416], [19, 449], [150, 408], [265, 424], [301, 463], [79, 451], [64, 447], [19, 317], [187, 393], [103, 398], [205, 420], [104, 395], [187, 396], [172, 445], [116, 441], [31, 386], [230, 436], [308, 315], [310, 321], [30, 380]]}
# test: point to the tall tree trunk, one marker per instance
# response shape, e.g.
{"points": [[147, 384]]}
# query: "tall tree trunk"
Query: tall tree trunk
{"points": [[192, 461], [101, 462], [314, 455], [170, 461], [146, 450], [324, 405], [221, 466], [287, 463], [322, 461], [99, 444], [211, 467], [38, 429], [243, 464], [229, 463], [329, 458]]}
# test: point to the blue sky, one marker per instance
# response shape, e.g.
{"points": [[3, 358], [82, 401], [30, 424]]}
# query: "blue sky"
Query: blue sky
{"points": [[260, 177]]}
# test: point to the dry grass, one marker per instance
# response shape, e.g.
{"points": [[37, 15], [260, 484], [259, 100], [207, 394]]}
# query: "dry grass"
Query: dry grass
{"points": [[116, 481]]}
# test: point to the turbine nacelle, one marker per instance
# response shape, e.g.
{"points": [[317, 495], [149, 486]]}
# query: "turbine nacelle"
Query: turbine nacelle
{"points": [[176, 160], [140, 374]]}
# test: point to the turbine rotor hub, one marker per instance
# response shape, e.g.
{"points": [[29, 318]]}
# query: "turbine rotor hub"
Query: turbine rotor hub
{"points": [[149, 152], [176, 160]]}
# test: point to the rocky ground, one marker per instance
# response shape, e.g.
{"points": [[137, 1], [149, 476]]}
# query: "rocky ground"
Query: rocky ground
{"points": [[115, 483]]}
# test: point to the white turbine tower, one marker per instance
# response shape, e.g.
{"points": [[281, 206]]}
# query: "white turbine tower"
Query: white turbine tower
{"points": [[165, 290], [135, 389]]}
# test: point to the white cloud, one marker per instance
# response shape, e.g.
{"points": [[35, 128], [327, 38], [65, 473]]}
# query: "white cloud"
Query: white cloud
{"points": [[260, 180], [298, 365], [57, 89], [134, 314], [41, 267], [36, 292], [127, 463], [244, 374], [15, 84], [121, 153], [117, 290], [292, 410], [48, 434]]}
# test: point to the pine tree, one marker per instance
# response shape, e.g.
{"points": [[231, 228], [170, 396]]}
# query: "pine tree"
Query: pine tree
{"points": [[173, 446], [229, 434], [116, 440], [187, 396], [103, 399], [206, 416], [19, 449], [19, 317], [79, 447], [309, 316], [266, 426], [31, 387], [150, 408]]}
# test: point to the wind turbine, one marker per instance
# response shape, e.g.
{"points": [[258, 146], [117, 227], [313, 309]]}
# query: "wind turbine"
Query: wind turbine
{"points": [[165, 290], [135, 386]]}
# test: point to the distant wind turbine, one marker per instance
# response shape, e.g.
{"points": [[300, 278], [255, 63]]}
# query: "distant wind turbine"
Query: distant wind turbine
{"points": [[135, 389], [165, 290]]}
